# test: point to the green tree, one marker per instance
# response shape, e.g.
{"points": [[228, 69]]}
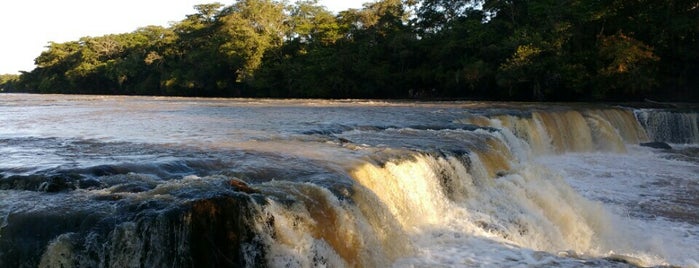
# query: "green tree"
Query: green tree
{"points": [[8, 82], [433, 16], [52, 65], [491, 49], [627, 66], [295, 68], [251, 28], [190, 63], [310, 23]]}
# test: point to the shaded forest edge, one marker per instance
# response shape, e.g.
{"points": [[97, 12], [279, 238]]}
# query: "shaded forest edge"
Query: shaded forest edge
{"points": [[537, 50]]}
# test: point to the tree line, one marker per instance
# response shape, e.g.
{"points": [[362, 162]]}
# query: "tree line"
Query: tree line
{"points": [[540, 50]]}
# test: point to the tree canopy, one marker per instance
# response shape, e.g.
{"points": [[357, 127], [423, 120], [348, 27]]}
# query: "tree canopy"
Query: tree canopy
{"points": [[535, 50]]}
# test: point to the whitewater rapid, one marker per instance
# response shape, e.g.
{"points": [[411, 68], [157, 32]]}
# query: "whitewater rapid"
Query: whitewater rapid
{"points": [[138, 181]]}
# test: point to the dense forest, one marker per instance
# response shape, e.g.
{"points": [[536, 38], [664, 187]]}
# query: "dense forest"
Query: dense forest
{"points": [[540, 50]]}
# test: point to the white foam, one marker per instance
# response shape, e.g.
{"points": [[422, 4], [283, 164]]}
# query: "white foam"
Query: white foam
{"points": [[535, 217], [628, 184]]}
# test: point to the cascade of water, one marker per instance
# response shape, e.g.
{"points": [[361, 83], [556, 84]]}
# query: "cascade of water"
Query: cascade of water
{"points": [[530, 207], [669, 126], [570, 130], [398, 201], [312, 227], [625, 123]]}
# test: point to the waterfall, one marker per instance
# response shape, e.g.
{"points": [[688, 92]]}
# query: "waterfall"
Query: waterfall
{"points": [[670, 126], [406, 197], [569, 130], [478, 194], [371, 207]]}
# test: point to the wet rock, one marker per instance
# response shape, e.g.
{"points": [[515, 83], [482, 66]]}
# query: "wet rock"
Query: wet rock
{"points": [[221, 233], [625, 260], [657, 145], [108, 197], [132, 188], [56, 184], [25, 235], [502, 173], [89, 184], [214, 231], [242, 186]]}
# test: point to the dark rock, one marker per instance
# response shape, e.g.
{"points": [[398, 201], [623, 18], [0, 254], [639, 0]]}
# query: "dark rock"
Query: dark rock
{"points": [[132, 188], [242, 186], [211, 232], [89, 184], [221, 232], [56, 184], [657, 145], [502, 173]]}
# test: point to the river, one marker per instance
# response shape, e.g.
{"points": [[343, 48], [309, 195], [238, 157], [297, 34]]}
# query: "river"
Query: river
{"points": [[116, 181]]}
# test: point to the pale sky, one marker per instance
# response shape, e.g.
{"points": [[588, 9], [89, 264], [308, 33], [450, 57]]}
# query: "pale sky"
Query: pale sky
{"points": [[26, 26]]}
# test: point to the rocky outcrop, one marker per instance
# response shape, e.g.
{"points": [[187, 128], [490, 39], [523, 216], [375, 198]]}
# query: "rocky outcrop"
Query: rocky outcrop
{"points": [[657, 145]]}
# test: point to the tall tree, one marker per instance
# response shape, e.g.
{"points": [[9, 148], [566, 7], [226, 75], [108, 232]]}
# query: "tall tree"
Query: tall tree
{"points": [[192, 65], [494, 49], [251, 28], [8, 82]]}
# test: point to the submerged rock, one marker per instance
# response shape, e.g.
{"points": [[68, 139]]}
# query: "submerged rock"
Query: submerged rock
{"points": [[56, 184], [216, 231], [657, 145], [242, 186]]}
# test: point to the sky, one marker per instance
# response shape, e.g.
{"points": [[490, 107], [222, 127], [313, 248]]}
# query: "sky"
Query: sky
{"points": [[27, 26]]}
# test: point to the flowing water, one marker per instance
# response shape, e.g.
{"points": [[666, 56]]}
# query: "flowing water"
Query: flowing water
{"points": [[92, 181]]}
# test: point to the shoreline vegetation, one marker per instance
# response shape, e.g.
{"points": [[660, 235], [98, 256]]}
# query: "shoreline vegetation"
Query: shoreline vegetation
{"points": [[535, 50]]}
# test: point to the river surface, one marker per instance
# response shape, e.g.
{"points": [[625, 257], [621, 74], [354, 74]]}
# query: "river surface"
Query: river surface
{"points": [[113, 181]]}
